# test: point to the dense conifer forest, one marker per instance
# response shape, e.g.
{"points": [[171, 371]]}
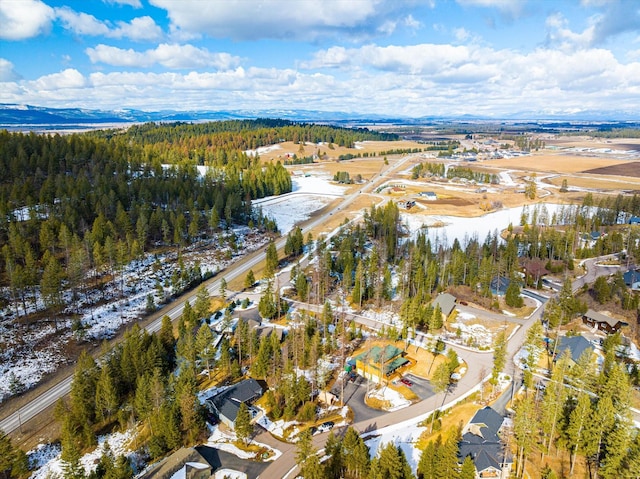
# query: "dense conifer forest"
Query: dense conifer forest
{"points": [[76, 202]]}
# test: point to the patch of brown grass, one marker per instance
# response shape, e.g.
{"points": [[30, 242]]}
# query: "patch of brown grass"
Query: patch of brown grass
{"points": [[600, 182], [426, 362], [453, 418], [377, 403], [332, 154]]}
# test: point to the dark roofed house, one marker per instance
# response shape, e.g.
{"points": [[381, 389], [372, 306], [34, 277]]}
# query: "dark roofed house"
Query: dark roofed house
{"points": [[499, 285], [187, 463], [632, 279], [486, 418], [447, 303], [576, 345], [430, 195], [481, 441], [225, 405], [602, 322], [266, 331]]}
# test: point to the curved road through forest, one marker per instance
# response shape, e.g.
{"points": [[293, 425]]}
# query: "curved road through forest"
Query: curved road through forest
{"points": [[49, 397]]}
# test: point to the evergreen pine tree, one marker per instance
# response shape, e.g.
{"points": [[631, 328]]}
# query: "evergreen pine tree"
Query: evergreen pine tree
{"points": [[468, 470], [271, 260], [242, 424], [249, 280], [13, 461], [106, 399]]}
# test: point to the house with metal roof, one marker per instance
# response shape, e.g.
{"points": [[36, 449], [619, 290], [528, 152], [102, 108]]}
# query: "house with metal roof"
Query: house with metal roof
{"points": [[602, 321], [429, 195], [481, 441], [377, 363]]}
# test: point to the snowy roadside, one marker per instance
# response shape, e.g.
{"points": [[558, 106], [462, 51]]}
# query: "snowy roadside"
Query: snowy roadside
{"points": [[30, 352]]}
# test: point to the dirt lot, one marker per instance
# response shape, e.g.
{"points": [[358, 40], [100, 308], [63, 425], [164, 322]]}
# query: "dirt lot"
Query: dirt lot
{"points": [[554, 162], [631, 168]]}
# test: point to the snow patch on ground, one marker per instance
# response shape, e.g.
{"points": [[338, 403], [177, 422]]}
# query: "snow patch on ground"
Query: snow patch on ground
{"points": [[262, 150], [277, 428], [317, 184], [225, 442], [475, 335], [403, 435], [290, 211], [397, 400], [45, 458], [633, 351], [229, 474]]}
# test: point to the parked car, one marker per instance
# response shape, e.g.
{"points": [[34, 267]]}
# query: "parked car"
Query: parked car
{"points": [[326, 426], [406, 382]]}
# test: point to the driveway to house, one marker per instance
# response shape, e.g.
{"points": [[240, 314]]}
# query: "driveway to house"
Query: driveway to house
{"points": [[354, 393], [421, 387]]}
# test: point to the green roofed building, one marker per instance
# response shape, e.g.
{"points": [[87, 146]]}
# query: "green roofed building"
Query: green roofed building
{"points": [[376, 359]]}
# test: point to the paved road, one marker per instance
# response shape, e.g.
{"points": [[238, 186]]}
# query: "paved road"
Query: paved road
{"points": [[479, 364], [49, 397]]}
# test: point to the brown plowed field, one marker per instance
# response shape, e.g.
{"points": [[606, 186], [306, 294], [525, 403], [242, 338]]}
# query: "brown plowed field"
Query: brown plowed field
{"points": [[621, 169]]}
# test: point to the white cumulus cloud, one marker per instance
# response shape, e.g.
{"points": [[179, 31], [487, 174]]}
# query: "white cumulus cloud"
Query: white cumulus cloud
{"points": [[168, 55], [81, 23], [66, 79], [24, 19], [415, 80], [7, 73], [307, 20], [131, 3], [560, 35], [139, 29]]}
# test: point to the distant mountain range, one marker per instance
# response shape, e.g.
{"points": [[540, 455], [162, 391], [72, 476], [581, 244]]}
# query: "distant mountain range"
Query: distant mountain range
{"points": [[15, 116]]}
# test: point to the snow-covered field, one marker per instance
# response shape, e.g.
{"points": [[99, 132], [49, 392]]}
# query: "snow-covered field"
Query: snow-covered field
{"points": [[310, 193], [444, 229], [262, 150]]}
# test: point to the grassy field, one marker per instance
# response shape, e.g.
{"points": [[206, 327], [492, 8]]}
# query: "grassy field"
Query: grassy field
{"points": [[600, 182], [287, 149]]}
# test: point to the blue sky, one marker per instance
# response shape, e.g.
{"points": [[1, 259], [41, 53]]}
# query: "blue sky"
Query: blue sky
{"points": [[392, 57]]}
